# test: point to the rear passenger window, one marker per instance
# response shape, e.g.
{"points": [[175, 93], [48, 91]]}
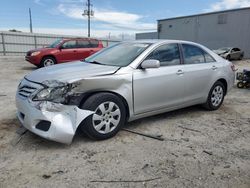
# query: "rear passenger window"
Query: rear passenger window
{"points": [[167, 54], [94, 43], [69, 44], [83, 44], [195, 55]]}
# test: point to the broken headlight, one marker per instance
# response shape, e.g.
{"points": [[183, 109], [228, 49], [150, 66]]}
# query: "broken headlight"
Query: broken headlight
{"points": [[53, 91]]}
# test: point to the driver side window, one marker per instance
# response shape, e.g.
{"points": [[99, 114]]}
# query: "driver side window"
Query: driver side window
{"points": [[167, 54]]}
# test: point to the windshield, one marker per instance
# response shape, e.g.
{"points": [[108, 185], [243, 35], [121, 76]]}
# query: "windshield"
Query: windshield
{"points": [[120, 55], [55, 44]]}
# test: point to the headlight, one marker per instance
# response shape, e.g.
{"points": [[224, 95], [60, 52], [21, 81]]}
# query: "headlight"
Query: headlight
{"points": [[35, 53], [56, 94], [54, 91]]}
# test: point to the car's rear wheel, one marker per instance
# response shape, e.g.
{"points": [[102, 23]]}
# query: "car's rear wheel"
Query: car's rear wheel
{"points": [[215, 97], [109, 116], [241, 57], [47, 61]]}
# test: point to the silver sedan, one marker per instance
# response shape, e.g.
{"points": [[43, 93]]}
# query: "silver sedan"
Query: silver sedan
{"points": [[121, 83], [230, 53]]}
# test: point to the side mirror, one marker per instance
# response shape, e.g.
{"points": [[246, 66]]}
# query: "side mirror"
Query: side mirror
{"points": [[60, 47], [150, 63]]}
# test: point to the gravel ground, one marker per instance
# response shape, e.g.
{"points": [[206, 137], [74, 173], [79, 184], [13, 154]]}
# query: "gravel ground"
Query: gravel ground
{"points": [[201, 148]]}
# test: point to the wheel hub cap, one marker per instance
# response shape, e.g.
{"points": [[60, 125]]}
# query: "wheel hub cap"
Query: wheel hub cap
{"points": [[106, 117], [217, 96], [48, 62]]}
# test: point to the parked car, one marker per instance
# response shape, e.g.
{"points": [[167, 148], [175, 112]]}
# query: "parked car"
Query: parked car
{"points": [[63, 50], [124, 82], [230, 53]]}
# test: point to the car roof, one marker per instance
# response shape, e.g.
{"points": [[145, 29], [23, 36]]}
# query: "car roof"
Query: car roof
{"points": [[65, 39], [161, 41]]}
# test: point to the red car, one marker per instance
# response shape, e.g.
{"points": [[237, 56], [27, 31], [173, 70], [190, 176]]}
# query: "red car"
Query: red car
{"points": [[63, 50]]}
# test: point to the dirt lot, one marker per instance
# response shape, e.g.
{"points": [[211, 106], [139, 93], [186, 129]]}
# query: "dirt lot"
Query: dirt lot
{"points": [[201, 149]]}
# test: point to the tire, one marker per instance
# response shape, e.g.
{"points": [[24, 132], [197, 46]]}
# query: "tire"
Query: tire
{"points": [[47, 61], [215, 97], [105, 122], [228, 58], [241, 57], [240, 85]]}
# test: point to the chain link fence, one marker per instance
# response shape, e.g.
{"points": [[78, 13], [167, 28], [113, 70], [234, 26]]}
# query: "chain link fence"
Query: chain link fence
{"points": [[18, 43]]}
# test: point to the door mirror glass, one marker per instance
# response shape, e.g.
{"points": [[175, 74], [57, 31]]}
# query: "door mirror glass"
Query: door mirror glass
{"points": [[150, 63]]}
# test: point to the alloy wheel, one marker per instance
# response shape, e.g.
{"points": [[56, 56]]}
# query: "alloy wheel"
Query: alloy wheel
{"points": [[106, 117], [217, 96]]}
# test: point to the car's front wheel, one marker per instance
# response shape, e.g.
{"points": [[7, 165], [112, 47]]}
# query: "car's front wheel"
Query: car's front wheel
{"points": [[215, 97], [109, 116]]}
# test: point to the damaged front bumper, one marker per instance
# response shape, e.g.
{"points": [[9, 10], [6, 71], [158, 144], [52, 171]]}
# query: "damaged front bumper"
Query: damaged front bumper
{"points": [[53, 121]]}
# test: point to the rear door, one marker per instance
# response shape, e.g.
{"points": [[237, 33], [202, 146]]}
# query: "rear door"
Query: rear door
{"points": [[95, 46], [68, 51], [84, 49], [162, 87], [199, 70]]}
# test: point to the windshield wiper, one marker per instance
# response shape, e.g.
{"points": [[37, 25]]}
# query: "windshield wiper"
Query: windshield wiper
{"points": [[95, 62]]}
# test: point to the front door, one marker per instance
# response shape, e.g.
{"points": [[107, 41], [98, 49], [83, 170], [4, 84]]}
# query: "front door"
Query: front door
{"points": [[68, 51]]}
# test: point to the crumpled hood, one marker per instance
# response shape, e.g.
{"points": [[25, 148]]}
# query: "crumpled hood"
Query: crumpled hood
{"points": [[70, 72]]}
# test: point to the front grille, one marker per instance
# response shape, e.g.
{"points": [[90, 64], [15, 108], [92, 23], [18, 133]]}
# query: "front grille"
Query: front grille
{"points": [[26, 91], [26, 88]]}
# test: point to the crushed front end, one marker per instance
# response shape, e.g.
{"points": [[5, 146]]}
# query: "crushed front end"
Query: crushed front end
{"points": [[42, 108]]}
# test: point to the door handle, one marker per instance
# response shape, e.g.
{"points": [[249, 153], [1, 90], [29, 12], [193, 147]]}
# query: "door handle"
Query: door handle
{"points": [[179, 72], [74, 50], [214, 67]]}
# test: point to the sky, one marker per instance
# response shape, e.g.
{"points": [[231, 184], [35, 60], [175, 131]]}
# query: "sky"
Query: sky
{"points": [[115, 18]]}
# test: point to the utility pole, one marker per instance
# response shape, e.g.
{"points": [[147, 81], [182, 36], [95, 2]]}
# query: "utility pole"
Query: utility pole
{"points": [[31, 30], [89, 12], [88, 18]]}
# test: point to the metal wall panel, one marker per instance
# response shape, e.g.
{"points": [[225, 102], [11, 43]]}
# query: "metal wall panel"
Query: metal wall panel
{"points": [[149, 35], [208, 30], [16, 43]]}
